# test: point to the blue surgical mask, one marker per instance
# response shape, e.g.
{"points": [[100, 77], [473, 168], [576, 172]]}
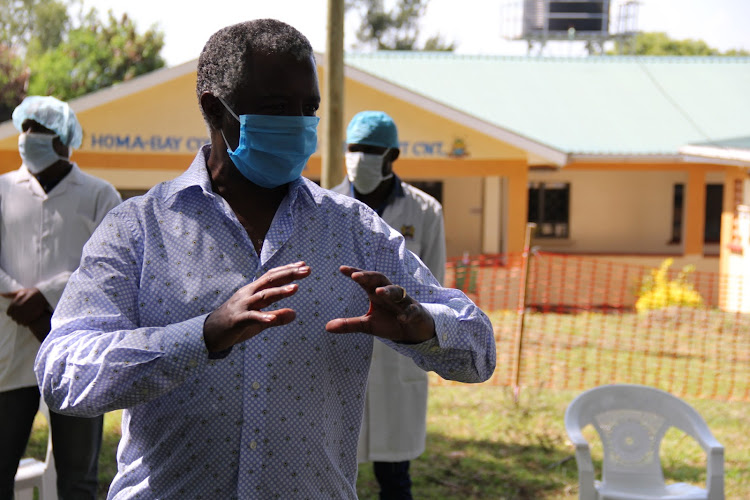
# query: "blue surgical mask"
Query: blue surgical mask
{"points": [[37, 152], [273, 150]]}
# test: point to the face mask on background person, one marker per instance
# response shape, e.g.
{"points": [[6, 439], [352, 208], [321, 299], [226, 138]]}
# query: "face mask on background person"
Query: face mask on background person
{"points": [[365, 170], [37, 152], [273, 150]]}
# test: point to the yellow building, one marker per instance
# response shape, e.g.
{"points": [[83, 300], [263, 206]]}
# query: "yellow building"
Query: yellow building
{"points": [[589, 148]]}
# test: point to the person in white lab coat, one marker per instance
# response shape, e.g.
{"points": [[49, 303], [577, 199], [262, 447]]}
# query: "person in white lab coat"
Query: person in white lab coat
{"points": [[393, 426], [48, 210]]}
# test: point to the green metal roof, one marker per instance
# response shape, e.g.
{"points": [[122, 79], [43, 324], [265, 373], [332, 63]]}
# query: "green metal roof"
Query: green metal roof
{"points": [[602, 105]]}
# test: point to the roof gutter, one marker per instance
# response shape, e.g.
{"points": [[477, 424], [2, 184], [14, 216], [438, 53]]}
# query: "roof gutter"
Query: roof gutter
{"points": [[623, 158], [735, 157]]}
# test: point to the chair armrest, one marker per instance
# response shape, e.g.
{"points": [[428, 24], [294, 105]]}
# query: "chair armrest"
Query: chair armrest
{"points": [[715, 473], [586, 487]]}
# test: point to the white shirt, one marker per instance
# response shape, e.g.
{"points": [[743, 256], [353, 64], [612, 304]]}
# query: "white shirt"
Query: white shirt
{"points": [[41, 238]]}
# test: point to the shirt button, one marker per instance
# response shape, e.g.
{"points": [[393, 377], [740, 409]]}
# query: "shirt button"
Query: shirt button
{"points": [[445, 336], [253, 445], [256, 385]]}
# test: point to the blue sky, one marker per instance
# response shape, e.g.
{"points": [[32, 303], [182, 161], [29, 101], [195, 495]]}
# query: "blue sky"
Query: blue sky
{"points": [[476, 26]]}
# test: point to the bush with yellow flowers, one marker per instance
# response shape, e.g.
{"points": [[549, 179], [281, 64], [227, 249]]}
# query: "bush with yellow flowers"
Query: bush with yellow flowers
{"points": [[657, 291]]}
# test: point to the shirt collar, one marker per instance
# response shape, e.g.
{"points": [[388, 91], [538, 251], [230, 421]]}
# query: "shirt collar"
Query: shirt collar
{"points": [[73, 177], [197, 176]]}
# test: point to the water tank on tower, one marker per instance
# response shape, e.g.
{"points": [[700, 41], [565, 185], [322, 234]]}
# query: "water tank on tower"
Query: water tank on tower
{"points": [[565, 19]]}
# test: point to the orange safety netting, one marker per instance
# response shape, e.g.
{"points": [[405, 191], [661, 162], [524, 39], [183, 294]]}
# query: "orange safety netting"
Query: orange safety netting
{"points": [[573, 322]]}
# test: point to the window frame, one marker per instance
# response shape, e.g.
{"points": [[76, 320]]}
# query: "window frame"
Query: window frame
{"points": [[540, 192]]}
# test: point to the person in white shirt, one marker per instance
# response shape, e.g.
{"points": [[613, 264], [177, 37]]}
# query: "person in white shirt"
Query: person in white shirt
{"points": [[393, 427], [48, 210]]}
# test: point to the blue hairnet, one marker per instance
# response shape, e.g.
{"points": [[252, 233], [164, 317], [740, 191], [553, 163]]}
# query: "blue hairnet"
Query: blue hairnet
{"points": [[52, 113], [372, 128]]}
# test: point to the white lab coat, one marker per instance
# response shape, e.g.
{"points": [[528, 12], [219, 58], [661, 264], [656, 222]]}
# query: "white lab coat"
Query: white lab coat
{"points": [[394, 421], [41, 239]]}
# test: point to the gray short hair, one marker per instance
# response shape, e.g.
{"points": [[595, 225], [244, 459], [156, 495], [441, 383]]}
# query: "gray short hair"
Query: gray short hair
{"points": [[222, 66]]}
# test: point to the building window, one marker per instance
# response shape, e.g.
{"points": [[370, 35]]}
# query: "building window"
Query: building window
{"points": [[714, 207], [678, 195], [549, 207]]}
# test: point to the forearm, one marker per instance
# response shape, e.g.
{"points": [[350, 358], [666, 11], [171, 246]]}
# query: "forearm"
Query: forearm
{"points": [[41, 326], [463, 348], [87, 373], [7, 283]]}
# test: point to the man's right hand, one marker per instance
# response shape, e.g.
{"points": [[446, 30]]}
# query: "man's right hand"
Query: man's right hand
{"points": [[241, 318]]}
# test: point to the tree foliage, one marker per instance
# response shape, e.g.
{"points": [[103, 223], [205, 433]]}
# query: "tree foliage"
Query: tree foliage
{"points": [[660, 44], [94, 56], [22, 21], [13, 79], [48, 48], [396, 28]]}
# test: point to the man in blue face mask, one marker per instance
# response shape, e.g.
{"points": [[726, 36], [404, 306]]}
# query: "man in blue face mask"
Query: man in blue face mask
{"points": [[394, 422], [48, 210], [231, 311]]}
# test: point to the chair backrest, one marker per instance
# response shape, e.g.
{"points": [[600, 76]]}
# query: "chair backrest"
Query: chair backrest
{"points": [[32, 473], [631, 421]]}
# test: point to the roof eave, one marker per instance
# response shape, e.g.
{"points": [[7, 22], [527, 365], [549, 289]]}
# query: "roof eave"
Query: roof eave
{"points": [[719, 155], [623, 158]]}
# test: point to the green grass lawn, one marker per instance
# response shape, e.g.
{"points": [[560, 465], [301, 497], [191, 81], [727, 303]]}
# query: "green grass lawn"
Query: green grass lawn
{"points": [[481, 445], [689, 352]]}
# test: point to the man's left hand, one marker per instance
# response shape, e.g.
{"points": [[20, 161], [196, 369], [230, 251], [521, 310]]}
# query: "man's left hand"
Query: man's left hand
{"points": [[392, 315], [27, 305]]}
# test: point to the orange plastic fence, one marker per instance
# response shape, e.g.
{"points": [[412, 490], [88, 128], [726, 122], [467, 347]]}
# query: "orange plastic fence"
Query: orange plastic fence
{"points": [[589, 321]]}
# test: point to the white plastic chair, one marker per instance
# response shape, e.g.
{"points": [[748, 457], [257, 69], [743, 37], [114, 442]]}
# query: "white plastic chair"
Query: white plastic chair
{"points": [[631, 421], [32, 473]]}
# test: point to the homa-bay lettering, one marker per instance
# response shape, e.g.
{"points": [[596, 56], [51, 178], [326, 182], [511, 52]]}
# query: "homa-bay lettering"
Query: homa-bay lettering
{"points": [[175, 144], [156, 143]]}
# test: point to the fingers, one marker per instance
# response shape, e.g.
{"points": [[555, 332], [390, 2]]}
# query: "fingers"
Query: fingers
{"points": [[268, 296], [368, 280], [279, 276], [267, 319], [374, 282], [349, 325], [395, 294]]}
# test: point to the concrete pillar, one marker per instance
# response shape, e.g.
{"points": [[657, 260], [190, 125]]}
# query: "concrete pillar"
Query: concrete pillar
{"points": [[695, 211]]}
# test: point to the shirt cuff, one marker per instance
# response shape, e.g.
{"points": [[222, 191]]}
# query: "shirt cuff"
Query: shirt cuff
{"points": [[185, 348], [445, 326]]}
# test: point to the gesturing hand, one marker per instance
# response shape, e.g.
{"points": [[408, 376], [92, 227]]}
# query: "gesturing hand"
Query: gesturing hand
{"points": [[241, 318], [392, 315]]}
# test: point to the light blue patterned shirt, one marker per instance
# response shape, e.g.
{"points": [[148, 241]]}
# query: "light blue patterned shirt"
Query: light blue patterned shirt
{"points": [[279, 416]]}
